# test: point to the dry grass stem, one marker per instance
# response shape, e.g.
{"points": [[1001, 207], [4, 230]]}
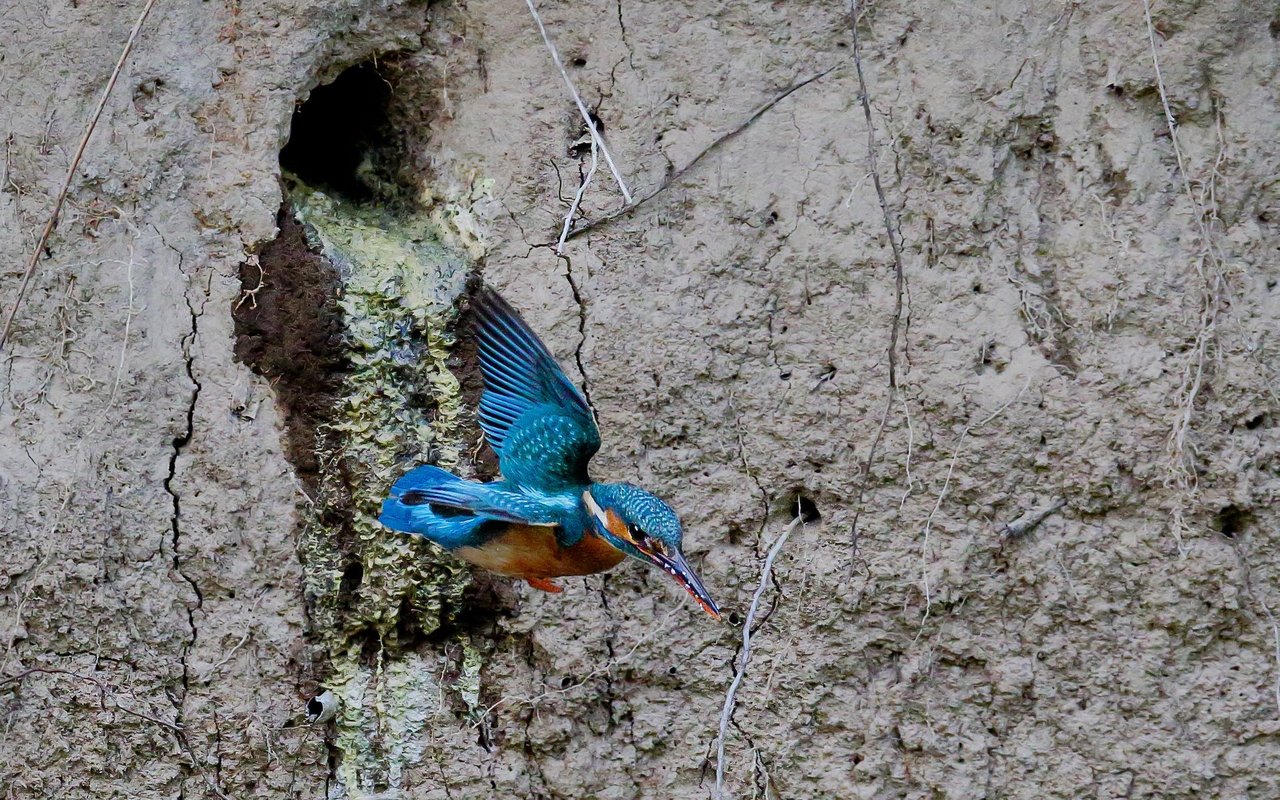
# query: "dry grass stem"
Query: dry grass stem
{"points": [[855, 14], [61, 198], [124, 344], [577, 199], [890, 228], [730, 698], [596, 139], [1213, 289]]}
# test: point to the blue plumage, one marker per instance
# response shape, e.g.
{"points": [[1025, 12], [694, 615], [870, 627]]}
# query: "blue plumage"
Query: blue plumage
{"points": [[406, 509], [544, 433]]}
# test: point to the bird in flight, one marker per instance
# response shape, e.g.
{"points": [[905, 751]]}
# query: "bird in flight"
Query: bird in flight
{"points": [[545, 518]]}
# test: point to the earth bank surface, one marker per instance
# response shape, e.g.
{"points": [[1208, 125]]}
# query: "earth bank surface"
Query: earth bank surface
{"points": [[1038, 558]]}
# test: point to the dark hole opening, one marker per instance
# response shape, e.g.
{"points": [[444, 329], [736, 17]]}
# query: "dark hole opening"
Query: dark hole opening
{"points": [[804, 508], [408, 627], [1231, 521], [352, 577], [334, 130]]}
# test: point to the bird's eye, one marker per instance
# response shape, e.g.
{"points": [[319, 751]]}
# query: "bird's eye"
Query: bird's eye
{"points": [[638, 536]]}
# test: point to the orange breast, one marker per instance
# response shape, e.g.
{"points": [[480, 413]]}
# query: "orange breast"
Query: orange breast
{"points": [[531, 551]]}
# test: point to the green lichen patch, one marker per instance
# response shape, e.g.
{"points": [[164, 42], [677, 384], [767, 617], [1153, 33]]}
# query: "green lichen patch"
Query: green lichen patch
{"points": [[399, 406], [376, 595], [386, 707]]}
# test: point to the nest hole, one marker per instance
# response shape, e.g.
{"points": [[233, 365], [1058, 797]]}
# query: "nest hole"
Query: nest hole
{"points": [[1231, 521], [336, 128], [804, 508]]}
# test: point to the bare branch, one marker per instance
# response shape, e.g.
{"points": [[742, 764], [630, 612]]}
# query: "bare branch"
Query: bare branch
{"points": [[1031, 520]]}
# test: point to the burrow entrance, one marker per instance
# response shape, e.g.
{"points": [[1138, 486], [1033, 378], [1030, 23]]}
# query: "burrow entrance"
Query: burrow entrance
{"points": [[348, 352]]}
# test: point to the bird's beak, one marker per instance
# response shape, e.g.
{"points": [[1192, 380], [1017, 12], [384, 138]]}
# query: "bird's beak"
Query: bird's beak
{"points": [[675, 566]]}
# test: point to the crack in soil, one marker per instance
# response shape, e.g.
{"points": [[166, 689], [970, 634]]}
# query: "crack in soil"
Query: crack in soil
{"points": [[180, 443], [622, 26], [582, 332]]}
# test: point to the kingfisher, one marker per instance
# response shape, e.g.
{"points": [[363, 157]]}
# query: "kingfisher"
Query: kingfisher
{"points": [[545, 518]]}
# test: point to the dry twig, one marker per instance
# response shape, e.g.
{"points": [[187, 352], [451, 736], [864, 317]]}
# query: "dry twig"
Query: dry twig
{"points": [[1031, 520], [745, 656], [58, 202], [706, 151], [596, 139], [577, 199]]}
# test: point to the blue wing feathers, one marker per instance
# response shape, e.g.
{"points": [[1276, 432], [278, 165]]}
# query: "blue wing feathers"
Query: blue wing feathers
{"points": [[537, 422], [421, 478], [446, 531], [442, 506], [526, 397], [519, 371]]}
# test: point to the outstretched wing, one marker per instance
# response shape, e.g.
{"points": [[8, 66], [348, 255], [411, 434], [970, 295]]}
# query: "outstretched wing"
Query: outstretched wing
{"points": [[453, 512], [535, 419]]}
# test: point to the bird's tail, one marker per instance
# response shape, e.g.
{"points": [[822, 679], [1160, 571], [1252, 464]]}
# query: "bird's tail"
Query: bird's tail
{"points": [[409, 508]]}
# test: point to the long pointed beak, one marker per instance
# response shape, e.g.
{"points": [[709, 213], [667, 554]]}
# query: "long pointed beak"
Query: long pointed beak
{"points": [[678, 568]]}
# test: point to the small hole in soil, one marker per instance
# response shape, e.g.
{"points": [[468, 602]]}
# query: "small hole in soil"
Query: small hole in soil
{"points": [[333, 131], [734, 618], [1231, 521], [408, 629], [1256, 422], [579, 62], [804, 508], [352, 577], [370, 645]]}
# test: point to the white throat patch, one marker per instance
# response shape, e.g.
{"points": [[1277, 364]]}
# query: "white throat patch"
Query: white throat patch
{"points": [[595, 509]]}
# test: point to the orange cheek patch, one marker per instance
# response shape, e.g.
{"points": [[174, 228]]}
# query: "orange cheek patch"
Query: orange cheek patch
{"points": [[617, 527]]}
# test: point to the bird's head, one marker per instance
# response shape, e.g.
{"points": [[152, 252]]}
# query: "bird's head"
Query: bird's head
{"points": [[645, 528]]}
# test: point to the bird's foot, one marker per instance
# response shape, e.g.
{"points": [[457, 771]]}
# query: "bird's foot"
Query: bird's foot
{"points": [[544, 585]]}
